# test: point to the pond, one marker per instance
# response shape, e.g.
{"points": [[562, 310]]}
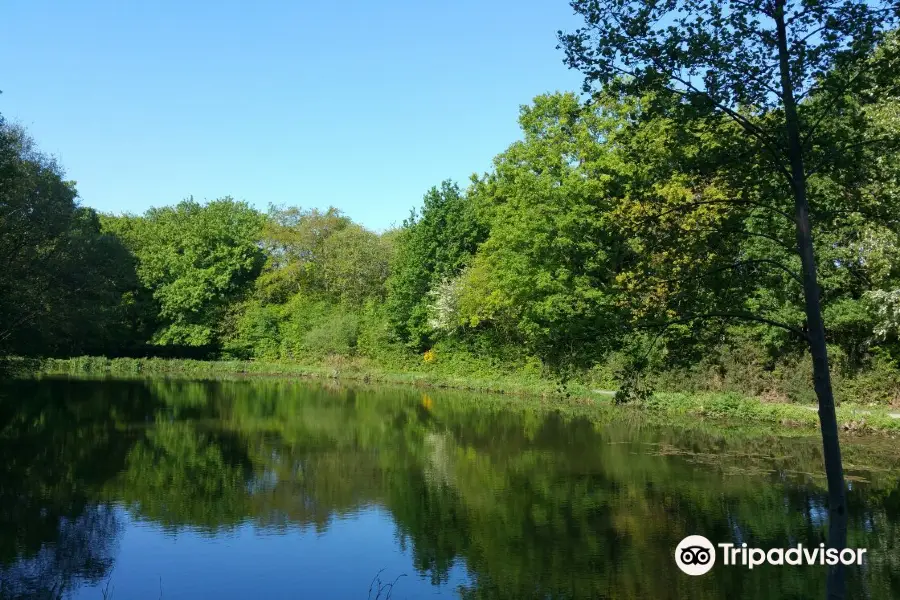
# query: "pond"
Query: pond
{"points": [[269, 488]]}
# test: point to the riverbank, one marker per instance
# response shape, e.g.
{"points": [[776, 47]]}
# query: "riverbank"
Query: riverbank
{"points": [[852, 418]]}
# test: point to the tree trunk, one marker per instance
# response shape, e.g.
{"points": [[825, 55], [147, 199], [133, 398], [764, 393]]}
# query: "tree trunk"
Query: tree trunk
{"points": [[834, 471]]}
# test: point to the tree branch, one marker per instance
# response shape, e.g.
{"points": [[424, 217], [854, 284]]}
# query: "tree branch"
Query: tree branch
{"points": [[758, 6], [786, 215], [734, 266], [781, 244], [729, 315], [894, 146], [827, 112]]}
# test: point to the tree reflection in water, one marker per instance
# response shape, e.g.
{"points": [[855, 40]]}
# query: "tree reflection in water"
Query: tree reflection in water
{"points": [[83, 551], [534, 505]]}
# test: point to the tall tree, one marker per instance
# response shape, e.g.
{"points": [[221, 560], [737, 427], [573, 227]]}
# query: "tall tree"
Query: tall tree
{"points": [[294, 241], [61, 278], [545, 275], [355, 264], [755, 61], [432, 245], [196, 259]]}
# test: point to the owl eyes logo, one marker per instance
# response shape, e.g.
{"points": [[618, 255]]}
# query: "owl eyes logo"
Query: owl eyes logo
{"points": [[695, 555]]}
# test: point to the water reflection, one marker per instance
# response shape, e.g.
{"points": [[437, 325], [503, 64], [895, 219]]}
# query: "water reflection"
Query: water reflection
{"points": [[81, 550], [287, 489]]}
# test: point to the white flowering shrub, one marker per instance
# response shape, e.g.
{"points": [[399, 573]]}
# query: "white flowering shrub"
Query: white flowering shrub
{"points": [[443, 305], [886, 304]]}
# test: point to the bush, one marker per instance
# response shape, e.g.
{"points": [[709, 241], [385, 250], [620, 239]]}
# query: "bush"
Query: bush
{"points": [[745, 367], [338, 334], [256, 334], [376, 341], [876, 381]]}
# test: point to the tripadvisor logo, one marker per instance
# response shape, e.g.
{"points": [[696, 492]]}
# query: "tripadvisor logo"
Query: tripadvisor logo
{"points": [[696, 555]]}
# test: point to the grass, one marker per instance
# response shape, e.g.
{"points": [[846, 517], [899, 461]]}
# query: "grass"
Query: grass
{"points": [[334, 368], [851, 417], [577, 398]]}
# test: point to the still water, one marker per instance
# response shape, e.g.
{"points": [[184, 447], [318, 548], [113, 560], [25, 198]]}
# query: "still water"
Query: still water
{"points": [[271, 489]]}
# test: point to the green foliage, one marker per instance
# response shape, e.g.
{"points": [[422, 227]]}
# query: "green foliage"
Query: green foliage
{"points": [[294, 240], [63, 283], [196, 259], [545, 274], [321, 272], [432, 246], [355, 265], [255, 332], [724, 54], [719, 228], [335, 335], [645, 239]]}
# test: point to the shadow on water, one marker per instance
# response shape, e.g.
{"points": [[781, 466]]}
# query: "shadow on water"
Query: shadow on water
{"points": [[525, 504]]}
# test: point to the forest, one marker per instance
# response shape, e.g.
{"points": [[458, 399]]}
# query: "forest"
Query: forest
{"points": [[629, 237]]}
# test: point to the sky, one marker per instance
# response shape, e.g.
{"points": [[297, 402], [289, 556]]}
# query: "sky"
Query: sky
{"points": [[360, 104]]}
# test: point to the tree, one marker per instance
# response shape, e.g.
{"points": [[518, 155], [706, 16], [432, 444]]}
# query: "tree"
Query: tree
{"points": [[91, 294], [320, 253], [196, 260], [294, 240], [320, 269], [756, 62], [431, 247], [36, 208], [62, 279], [545, 274], [355, 264]]}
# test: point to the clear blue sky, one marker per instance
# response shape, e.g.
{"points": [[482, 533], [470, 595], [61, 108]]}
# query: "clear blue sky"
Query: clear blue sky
{"points": [[359, 104]]}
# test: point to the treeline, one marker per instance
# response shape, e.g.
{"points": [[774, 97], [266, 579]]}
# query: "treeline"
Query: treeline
{"points": [[575, 256]]}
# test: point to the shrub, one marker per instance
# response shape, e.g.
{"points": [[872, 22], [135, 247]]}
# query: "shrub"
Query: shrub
{"points": [[336, 335]]}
